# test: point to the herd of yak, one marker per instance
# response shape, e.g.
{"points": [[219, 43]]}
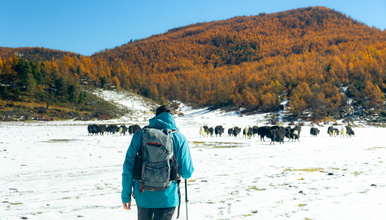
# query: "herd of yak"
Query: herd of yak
{"points": [[275, 133], [95, 129]]}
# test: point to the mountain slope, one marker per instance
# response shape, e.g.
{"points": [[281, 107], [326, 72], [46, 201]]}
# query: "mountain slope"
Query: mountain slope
{"points": [[255, 62], [34, 53], [244, 39]]}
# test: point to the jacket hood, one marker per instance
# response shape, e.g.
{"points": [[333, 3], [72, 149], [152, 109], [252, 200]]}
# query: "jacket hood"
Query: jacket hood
{"points": [[163, 120]]}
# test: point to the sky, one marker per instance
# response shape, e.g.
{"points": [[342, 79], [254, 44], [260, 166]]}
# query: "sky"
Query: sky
{"points": [[90, 26]]}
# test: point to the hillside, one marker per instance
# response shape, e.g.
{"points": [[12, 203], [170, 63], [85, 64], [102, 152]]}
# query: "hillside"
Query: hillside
{"points": [[245, 39], [320, 60], [255, 62], [34, 53]]}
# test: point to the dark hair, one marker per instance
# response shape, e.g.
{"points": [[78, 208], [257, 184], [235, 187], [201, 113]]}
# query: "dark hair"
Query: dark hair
{"points": [[164, 108]]}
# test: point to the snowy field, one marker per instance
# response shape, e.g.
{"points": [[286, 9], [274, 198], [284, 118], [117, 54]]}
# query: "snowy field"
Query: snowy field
{"points": [[55, 170]]}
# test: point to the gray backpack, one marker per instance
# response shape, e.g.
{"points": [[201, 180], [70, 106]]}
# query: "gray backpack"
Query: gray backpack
{"points": [[155, 163]]}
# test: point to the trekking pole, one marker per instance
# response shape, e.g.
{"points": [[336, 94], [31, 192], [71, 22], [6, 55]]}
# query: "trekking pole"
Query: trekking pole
{"points": [[186, 198]]}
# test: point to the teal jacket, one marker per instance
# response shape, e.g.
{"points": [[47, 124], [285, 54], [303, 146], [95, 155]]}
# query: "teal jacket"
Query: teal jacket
{"points": [[156, 199]]}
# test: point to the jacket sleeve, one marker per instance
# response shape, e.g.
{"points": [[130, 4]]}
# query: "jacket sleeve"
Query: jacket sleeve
{"points": [[184, 159], [127, 179]]}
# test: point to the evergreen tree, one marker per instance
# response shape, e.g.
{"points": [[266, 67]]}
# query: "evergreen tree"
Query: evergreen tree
{"points": [[31, 88], [23, 68], [72, 95], [103, 81], [60, 87], [79, 71], [4, 92], [36, 71]]}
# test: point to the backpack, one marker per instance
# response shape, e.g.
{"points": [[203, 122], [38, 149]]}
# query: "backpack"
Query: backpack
{"points": [[155, 164]]}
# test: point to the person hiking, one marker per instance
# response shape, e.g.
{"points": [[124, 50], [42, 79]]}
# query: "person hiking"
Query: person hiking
{"points": [[154, 205]]}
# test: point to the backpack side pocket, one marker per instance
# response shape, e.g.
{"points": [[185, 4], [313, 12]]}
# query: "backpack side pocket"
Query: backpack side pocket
{"points": [[137, 170]]}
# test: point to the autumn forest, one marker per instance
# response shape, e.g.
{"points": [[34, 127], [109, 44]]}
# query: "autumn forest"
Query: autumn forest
{"points": [[318, 59]]}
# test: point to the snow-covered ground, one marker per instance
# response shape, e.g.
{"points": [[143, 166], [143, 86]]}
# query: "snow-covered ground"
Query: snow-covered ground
{"points": [[54, 170]]}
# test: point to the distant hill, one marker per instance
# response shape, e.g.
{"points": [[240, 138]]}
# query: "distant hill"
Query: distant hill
{"points": [[322, 61], [255, 62], [34, 53], [246, 39]]}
